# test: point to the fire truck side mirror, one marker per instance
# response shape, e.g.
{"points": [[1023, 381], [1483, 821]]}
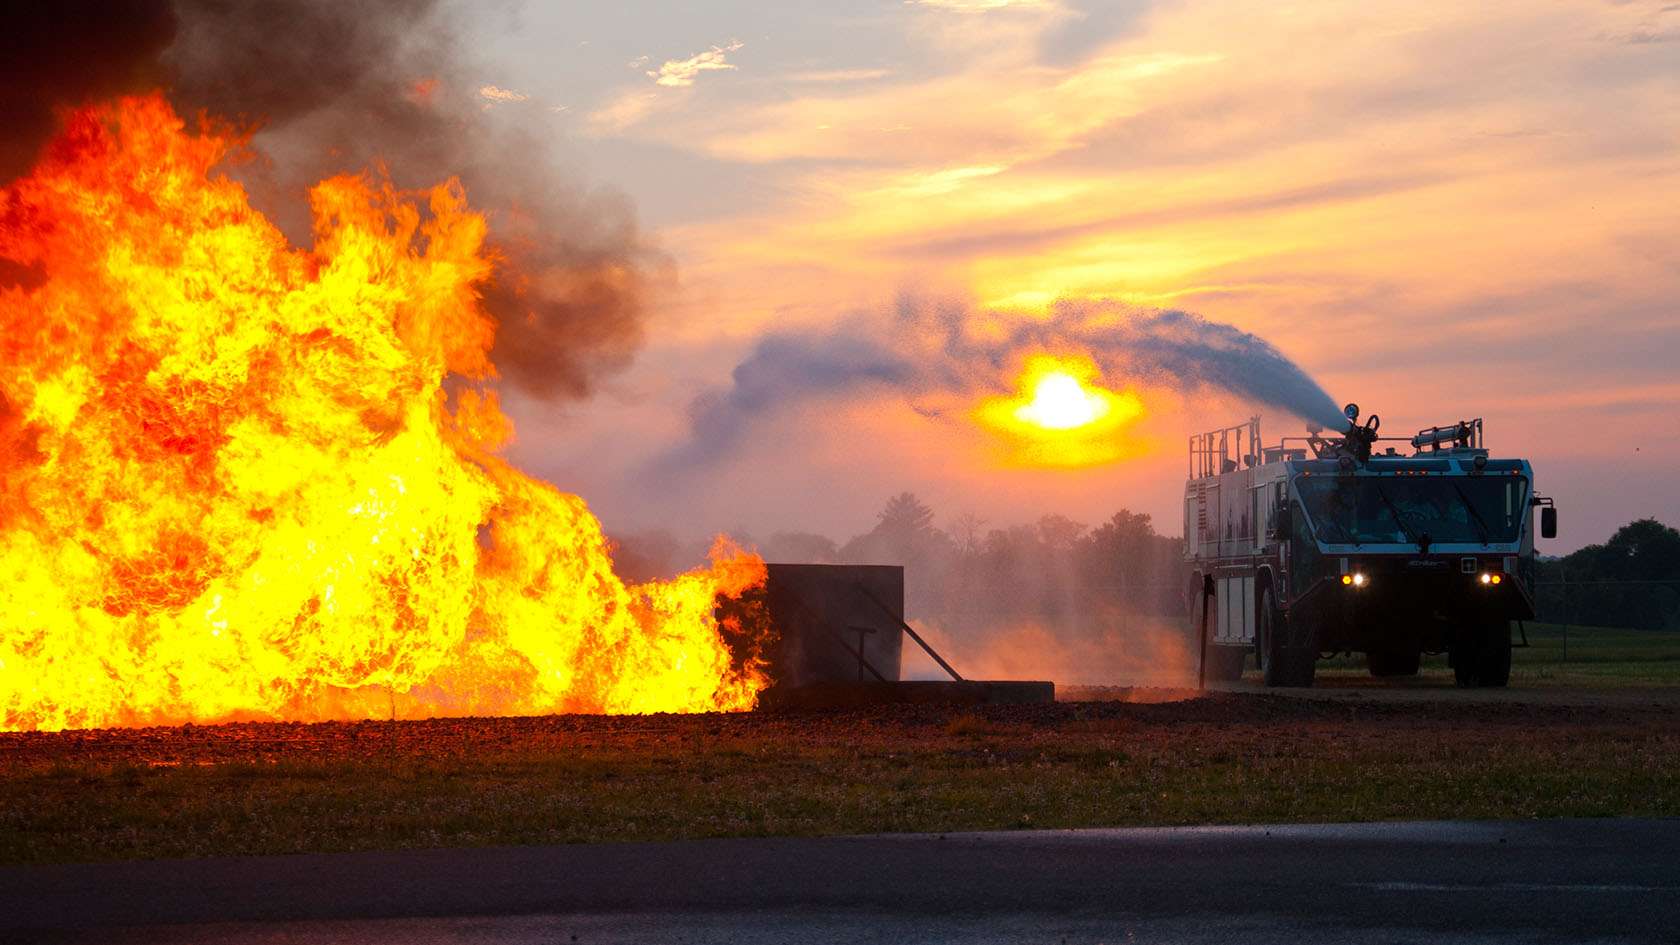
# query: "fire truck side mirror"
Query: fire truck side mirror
{"points": [[1548, 522]]}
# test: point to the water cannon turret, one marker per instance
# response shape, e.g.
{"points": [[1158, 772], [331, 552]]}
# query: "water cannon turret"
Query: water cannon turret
{"points": [[1465, 434], [1358, 441]]}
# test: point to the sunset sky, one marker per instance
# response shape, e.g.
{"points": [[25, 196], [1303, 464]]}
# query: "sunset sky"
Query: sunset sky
{"points": [[1437, 210]]}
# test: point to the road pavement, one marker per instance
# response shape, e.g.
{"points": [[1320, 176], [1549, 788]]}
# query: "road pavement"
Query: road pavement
{"points": [[1545, 881]]}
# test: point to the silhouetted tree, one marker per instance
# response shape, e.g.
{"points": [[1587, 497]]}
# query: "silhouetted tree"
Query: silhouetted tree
{"points": [[1131, 565], [904, 534], [1645, 550]]}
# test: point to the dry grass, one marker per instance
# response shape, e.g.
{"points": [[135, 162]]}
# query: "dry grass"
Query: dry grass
{"points": [[274, 788]]}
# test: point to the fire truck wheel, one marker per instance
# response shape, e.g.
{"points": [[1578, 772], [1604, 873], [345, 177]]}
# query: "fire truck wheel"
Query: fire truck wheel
{"points": [[1482, 654], [1393, 662], [1463, 656], [1281, 663], [1496, 654]]}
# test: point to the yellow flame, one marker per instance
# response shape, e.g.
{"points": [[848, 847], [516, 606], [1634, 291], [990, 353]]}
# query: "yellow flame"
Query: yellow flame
{"points": [[235, 485], [1061, 415]]}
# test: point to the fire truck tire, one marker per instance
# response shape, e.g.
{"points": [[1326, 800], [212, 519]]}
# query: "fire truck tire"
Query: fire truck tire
{"points": [[1496, 654], [1463, 657], [1482, 655], [1283, 661], [1393, 662]]}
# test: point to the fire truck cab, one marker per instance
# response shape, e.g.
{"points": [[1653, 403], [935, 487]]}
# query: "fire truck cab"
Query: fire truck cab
{"points": [[1325, 545]]}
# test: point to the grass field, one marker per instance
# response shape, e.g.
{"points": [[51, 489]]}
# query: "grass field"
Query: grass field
{"points": [[1224, 758], [1586, 656]]}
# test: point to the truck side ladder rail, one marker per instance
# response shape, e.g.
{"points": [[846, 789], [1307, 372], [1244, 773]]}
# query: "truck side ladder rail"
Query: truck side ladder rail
{"points": [[1224, 450]]}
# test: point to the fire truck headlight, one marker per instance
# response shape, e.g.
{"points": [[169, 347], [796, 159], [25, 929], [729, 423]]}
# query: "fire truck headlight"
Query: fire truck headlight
{"points": [[1487, 578], [1360, 580]]}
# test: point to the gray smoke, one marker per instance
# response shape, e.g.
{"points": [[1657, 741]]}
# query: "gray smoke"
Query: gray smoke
{"points": [[928, 351], [345, 87]]}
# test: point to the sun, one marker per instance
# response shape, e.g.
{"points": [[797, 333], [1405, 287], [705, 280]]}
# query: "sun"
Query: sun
{"points": [[1061, 414], [1061, 402]]}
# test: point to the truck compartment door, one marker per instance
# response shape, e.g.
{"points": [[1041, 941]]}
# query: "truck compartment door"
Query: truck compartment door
{"points": [[1236, 610]]}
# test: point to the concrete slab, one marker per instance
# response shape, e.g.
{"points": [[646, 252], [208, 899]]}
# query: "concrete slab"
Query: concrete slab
{"points": [[943, 691]]}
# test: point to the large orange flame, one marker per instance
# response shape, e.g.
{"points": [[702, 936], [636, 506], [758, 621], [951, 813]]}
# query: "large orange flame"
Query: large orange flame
{"points": [[237, 485]]}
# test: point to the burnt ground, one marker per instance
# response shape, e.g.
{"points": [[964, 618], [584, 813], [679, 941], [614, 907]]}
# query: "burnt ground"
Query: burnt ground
{"points": [[1229, 757]]}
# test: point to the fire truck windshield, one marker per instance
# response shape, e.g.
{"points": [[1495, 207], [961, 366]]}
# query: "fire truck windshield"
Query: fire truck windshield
{"points": [[1384, 509]]}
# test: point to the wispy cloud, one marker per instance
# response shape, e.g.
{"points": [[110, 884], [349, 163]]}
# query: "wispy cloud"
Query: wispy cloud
{"points": [[933, 183], [839, 75], [629, 107], [499, 95], [1005, 112], [978, 6], [681, 73], [623, 112]]}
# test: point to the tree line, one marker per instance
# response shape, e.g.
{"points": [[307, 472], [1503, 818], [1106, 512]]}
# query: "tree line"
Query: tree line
{"points": [[1073, 576], [972, 574], [1632, 580]]}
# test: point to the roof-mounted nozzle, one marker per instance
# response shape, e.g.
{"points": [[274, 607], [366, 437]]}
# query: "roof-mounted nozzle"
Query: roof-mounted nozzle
{"points": [[1358, 440], [1354, 446], [1465, 434]]}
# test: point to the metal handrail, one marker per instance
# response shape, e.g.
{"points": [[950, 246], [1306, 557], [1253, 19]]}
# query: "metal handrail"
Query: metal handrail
{"points": [[911, 631], [838, 637]]}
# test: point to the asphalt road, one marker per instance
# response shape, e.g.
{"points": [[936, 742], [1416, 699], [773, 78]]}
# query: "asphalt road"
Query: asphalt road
{"points": [[1574, 881]]}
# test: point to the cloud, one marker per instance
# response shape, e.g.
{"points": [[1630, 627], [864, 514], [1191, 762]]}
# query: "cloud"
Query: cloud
{"points": [[1644, 37], [933, 183], [498, 95], [1007, 109], [1014, 235], [623, 112], [681, 73], [979, 6], [628, 107], [839, 75]]}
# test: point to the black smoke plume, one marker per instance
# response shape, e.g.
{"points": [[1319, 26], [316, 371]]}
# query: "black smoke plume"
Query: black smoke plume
{"points": [[929, 353], [344, 87], [58, 54]]}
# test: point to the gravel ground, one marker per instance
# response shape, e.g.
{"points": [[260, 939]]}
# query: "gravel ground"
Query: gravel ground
{"points": [[1242, 704]]}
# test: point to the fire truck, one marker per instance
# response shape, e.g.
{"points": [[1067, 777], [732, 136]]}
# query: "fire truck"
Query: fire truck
{"points": [[1388, 546]]}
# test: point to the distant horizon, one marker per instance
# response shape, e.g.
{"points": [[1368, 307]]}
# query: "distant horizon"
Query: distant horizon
{"points": [[692, 546]]}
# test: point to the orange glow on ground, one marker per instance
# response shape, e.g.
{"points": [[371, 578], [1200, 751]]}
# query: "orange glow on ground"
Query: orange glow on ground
{"points": [[1061, 415]]}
